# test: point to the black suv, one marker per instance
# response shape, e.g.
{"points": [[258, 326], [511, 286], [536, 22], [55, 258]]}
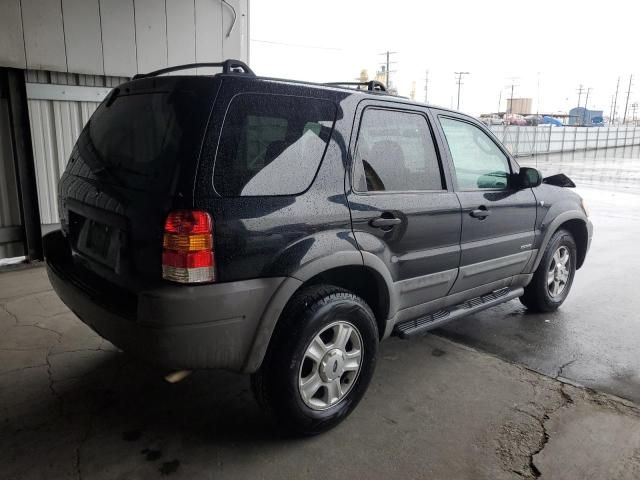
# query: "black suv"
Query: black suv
{"points": [[284, 228]]}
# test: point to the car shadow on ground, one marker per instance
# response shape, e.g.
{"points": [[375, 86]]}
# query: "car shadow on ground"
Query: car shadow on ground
{"points": [[124, 406]]}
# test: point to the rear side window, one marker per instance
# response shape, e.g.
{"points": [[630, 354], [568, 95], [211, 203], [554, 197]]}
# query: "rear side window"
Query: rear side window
{"points": [[395, 152], [272, 144]]}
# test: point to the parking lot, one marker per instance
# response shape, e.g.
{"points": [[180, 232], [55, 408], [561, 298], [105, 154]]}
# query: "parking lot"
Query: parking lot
{"points": [[502, 394]]}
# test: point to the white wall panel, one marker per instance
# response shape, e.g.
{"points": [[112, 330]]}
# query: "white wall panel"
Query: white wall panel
{"points": [[232, 44], [181, 32], [44, 35], [118, 37], [151, 34], [11, 36], [208, 33], [83, 36]]}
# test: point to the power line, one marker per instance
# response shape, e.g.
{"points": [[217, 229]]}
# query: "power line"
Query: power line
{"points": [[295, 45], [459, 82]]}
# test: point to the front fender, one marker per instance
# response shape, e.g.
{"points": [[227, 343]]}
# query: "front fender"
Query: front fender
{"points": [[550, 224]]}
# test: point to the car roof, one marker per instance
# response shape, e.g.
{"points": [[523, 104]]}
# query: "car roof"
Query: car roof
{"points": [[337, 87]]}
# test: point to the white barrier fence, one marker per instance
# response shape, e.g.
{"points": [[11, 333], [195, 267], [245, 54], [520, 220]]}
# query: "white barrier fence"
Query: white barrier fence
{"points": [[523, 141]]}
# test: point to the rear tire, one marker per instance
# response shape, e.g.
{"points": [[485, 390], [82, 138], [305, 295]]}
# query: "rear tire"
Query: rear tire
{"points": [[327, 338], [553, 278]]}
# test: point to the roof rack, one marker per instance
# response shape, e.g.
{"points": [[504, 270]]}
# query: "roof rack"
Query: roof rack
{"points": [[372, 85], [228, 66]]}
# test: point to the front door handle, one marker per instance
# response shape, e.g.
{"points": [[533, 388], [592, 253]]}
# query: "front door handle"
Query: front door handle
{"points": [[382, 222], [480, 212]]}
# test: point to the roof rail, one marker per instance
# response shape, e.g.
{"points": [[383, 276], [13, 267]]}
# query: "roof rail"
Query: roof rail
{"points": [[228, 66], [372, 85]]}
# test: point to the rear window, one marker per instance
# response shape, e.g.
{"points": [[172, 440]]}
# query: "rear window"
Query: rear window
{"points": [[137, 140], [272, 144]]}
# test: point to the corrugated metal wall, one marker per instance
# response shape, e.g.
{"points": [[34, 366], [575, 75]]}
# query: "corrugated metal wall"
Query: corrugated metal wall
{"points": [[9, 210], [55, 126]]}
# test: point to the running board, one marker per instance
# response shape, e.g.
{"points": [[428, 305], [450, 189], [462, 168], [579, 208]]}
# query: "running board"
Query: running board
{"points": [[423, 324]]}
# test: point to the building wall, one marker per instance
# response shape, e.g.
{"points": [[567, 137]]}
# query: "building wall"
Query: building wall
{"points": [[74, 51], [119, 37], [521, 106]]}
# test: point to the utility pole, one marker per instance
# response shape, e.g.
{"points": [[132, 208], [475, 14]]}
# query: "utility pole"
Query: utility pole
{"points": [[459, 82], [626, 105], [512, 86], [615, 101], [388, 62], [611, 112], [586, 101], [580, 90], [499, 102], [634, 107], [426, 87]]}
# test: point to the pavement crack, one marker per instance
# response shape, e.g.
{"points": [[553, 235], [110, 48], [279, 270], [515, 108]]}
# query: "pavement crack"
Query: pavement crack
{"points": [[532, 441], [58, 334], [563, 366], [4, 307]]}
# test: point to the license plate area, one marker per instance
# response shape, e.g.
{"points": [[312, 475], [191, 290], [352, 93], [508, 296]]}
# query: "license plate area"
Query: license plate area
{"points": [[99, 241]]}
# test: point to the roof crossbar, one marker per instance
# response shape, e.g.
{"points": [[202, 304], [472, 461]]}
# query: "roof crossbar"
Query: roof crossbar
{"points": [[372, 85], [228, 66]]}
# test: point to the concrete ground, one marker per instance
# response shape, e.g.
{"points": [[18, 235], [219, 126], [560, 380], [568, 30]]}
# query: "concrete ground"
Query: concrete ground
{"points": [[72, 406], [503, 401]]}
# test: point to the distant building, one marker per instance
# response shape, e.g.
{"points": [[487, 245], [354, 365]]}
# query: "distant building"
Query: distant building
{"points": [[582, 116], [521, 106]]}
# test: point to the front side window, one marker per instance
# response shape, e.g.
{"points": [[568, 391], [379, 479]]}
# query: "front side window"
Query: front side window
{"points": [[395, 152], [272, 144], [478, 161]]}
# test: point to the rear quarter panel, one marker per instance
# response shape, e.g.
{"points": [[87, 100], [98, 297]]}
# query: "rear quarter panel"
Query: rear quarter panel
{"points": [[260, 236]]}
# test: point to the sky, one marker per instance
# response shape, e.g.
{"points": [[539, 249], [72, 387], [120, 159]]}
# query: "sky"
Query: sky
{"points": [[546, 48]]}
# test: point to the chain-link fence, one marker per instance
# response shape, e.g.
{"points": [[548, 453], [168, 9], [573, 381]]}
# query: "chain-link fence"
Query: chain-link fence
{"points": [[523, 141]]}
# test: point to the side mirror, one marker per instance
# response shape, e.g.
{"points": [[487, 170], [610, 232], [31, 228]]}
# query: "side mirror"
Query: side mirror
{"points": [[528, 177]]}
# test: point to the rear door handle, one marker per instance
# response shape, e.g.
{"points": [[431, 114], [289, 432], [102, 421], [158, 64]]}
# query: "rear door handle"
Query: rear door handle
{"points": [[481, 212], [382, 222]]}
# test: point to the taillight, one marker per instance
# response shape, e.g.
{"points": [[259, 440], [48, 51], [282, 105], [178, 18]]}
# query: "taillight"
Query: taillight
{"points": [[187, 247]]}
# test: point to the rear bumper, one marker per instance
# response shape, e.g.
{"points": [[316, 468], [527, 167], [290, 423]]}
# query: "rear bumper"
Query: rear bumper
{"points": [[174, 326]]}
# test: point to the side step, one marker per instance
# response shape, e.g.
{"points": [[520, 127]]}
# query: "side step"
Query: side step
{"points": [[423, 324]]}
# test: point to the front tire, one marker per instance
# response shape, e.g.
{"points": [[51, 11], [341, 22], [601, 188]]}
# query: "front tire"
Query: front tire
{"points": [[319, 362], [553, 278]]}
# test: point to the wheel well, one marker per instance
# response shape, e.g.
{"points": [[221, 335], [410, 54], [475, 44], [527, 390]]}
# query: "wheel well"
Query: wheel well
{"points": [[578, 230], [364, 282]]}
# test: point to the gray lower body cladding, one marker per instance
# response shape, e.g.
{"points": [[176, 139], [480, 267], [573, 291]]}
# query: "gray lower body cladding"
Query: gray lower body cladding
{"points": [[174, 326]]}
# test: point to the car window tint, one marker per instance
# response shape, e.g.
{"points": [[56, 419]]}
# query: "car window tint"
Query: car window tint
{"points": [[272, 144], [478, 161], [395, 152]]}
